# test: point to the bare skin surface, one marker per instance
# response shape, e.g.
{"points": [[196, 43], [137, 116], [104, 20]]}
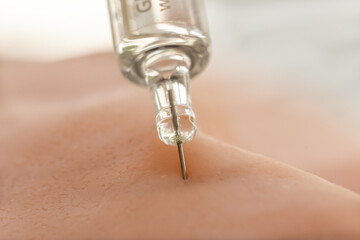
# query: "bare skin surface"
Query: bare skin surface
{"points": [[294, 130], [85, 163]]}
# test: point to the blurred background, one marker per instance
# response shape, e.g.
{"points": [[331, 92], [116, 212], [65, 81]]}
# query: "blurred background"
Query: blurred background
{"points": [[309, 47]]}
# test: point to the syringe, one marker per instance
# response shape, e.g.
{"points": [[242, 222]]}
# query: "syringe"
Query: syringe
{"points": [[160, 44]]}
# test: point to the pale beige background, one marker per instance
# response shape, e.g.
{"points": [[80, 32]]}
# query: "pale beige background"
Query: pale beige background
{"points": [[313, 46]]}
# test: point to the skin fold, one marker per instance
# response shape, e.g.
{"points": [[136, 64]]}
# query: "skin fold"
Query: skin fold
{"points": [[80, 159]]}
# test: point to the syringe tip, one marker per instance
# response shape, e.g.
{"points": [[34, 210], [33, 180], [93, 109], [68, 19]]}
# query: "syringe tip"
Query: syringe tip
{"points": [[175, 119]]}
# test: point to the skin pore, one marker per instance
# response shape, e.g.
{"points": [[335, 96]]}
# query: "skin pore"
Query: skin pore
{"points": [[80, 159]]}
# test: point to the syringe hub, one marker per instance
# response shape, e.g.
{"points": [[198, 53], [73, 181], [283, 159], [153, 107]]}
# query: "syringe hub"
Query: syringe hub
{"points": [[168, 76]]}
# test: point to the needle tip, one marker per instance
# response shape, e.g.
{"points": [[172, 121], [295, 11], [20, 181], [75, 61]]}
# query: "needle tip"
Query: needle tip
{"points": [[182, 160]]}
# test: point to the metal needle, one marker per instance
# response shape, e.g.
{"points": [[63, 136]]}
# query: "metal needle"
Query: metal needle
{"points": [[175, 121]]}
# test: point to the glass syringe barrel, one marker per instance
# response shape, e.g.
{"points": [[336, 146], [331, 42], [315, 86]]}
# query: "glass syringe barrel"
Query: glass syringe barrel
{"points": [[161, 44]]}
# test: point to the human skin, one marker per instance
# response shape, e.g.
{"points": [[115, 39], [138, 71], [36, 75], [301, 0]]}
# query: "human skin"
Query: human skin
{"points": [[80, 159]]}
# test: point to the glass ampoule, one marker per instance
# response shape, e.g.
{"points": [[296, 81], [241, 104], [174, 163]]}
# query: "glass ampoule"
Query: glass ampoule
{"points": [[161, 44]]}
